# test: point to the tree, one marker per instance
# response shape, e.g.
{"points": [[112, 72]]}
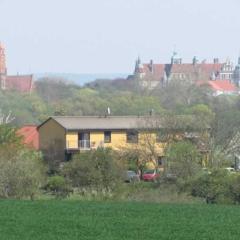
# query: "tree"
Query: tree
{"points": [[214, 187], [179, 93], [21, 169], [21, 172], [183, 159]]}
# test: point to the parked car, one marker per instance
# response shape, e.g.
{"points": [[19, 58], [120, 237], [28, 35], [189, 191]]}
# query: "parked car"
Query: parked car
{"points": [[151, 175], [230, 169], [131, 176]]}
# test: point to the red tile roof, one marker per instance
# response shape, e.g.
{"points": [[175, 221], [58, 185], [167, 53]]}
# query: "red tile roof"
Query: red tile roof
{"points": [[30, 136], [201, 71], [157, 73], [20, 83], [222, 85]]}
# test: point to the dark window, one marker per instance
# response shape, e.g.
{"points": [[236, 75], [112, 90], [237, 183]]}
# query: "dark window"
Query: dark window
{"points": [[107, 137], [132, 137]]}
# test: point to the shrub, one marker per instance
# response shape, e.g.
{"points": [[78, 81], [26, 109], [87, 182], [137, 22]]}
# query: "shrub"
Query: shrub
{"points": [[234, 188], [58, 186], [97, 168], [214, 187], [21, 172]]}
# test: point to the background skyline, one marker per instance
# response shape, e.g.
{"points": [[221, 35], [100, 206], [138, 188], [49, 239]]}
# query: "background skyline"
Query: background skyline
{"points": [[77, 36]]}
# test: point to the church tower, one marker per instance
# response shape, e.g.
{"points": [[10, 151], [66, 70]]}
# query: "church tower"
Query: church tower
{"points": [[3, 69]]}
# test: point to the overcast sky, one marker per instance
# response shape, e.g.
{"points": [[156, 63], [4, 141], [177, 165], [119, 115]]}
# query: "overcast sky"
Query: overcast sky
{"points": [[106, 36]]}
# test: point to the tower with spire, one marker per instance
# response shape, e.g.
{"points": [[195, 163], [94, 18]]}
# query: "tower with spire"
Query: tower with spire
{"points": [[3, 68], [139, 69]]}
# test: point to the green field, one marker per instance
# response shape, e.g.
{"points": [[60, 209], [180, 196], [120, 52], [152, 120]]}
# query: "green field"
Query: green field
{"points": [[98, 220]]}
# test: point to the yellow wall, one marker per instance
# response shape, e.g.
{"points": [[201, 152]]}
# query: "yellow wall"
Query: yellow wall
{"points": [[96, 139], [72, 140], [52, 140], [118, 140]]}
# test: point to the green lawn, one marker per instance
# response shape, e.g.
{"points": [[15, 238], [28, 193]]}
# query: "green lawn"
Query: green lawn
{"points": [[109, 221]]}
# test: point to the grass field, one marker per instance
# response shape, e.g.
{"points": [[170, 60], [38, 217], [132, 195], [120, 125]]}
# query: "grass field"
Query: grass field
{"points": [[109, 221]]}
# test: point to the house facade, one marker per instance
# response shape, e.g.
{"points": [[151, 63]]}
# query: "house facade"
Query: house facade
{"points": [[19, 83], [65, 136]]}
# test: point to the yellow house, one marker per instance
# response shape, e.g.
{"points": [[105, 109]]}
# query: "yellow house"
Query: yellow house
{"points": [[62, 136]]}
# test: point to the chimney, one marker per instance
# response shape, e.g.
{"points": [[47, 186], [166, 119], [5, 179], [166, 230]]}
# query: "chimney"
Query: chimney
{"points": [[151, 65], [194, 61], [215, 60]]}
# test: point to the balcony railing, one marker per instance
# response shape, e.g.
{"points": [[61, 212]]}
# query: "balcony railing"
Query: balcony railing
{"points": [[83, 145]]}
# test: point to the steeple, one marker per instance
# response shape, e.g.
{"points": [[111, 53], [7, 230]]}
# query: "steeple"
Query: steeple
{"points": [[3, 68], [138, 66]]}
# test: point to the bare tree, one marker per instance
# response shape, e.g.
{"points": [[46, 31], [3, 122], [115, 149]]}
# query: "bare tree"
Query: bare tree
{"points": [[6, 118]]}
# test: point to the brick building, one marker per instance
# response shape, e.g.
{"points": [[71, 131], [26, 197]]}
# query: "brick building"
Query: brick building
{"points": [[151, 75], [19, 83]]}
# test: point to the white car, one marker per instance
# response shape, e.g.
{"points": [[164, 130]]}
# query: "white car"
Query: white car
{"points": [[230, 169]]}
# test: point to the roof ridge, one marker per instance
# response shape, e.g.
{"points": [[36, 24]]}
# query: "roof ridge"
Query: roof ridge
{"points": [[102, 116]]}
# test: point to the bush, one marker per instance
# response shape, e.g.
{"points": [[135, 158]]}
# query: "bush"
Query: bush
{"points": [[214, 187], [234, 188], [21, 172], [58, 186], [98, 169]]}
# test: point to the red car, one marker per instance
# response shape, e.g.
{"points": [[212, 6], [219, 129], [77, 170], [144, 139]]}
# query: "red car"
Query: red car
{"points": [[151, 175]]}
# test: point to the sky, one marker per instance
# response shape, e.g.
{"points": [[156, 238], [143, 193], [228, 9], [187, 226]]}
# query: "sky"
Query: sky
{"points": [[106, 36]]}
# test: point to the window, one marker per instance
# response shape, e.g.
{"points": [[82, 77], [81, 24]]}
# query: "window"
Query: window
{"points": [[107, 137], [132, 137]]}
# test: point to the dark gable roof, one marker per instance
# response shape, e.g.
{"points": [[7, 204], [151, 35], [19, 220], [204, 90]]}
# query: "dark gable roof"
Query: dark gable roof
{"points": [[106, 123]]}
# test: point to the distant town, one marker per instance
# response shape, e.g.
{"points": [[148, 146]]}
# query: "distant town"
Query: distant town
{"points": [[221, 77]]}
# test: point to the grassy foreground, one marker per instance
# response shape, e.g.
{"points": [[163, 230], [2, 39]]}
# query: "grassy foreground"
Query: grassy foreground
{"points": [[98, 220]]}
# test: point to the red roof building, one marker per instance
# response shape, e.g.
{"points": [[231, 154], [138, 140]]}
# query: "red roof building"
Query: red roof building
{"points": [[19, 83], [152, 75], [220, 87], [30, 136]]}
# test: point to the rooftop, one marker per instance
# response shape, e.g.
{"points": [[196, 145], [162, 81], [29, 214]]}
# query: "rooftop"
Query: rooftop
{"points": [[105, 122]]}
